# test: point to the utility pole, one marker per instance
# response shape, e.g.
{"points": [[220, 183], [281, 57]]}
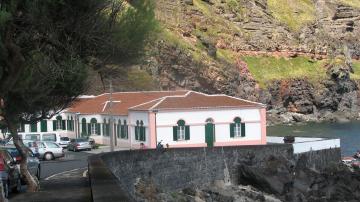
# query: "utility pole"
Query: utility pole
{"points": [[111, 118]]}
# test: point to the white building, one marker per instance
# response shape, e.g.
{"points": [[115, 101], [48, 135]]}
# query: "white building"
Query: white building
{"points": [[177, 118]]}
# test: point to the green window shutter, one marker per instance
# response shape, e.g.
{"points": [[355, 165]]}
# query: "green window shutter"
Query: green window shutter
{"points": [[120, 130], [33, 127], [126, 130], [136, 133], [89, 128], [122, 133], [63, 125], [142, 131], [43, 126], [83, 128], [187, 132], [175, 133], [54, 125], [242, 129], [98, 129], [232, 129]]}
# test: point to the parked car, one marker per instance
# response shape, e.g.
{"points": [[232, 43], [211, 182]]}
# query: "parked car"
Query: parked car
{"points": [[64, 142], [47, 150], [9, 172], [79, 144], [33, 162]]}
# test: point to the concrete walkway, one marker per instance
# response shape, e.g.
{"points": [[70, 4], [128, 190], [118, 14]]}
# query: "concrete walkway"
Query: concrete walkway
{"points": [[103, 149], [72, 186]]}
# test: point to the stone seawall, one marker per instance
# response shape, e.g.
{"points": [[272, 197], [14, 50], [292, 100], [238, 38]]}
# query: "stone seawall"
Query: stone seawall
{"points": [[175, 169], [318, 159], [150, 171]]}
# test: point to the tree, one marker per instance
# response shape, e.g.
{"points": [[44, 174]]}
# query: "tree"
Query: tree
{"points": [[47, 46]]}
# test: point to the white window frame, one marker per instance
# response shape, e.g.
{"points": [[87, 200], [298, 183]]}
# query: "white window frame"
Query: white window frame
{"points": [[237, 130], [181, 132], [93, 129], [59, 124]]}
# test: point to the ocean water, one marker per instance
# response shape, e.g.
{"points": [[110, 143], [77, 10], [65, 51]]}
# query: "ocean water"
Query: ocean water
{"points": [[349, 133]]}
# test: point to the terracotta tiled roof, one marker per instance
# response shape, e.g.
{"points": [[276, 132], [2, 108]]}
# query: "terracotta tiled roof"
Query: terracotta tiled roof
{"points": [[122, 101], [195, 100]]}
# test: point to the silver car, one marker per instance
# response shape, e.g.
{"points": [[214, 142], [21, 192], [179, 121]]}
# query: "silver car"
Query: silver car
{"points": [[79, 144], [64, 142], [47, 150]]}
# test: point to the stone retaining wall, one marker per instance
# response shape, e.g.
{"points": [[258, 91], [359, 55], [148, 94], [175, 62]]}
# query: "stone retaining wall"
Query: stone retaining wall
{"points": [[174, 169]]}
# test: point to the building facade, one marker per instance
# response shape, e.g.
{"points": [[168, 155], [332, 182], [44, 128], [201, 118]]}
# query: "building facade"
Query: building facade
{"points": [[174, 118]]}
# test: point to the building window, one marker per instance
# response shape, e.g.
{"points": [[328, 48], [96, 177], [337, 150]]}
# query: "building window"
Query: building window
{"points": [[94, 127], [59, 124], [124, 130], [118, 131], [181, 131], [106, 128], [137, 130], [237, 129], [140, 131], [70, 123], [21, 128], [83, 127]]}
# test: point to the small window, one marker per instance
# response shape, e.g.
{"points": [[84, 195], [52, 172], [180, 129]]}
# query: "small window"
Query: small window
{"points": [[181, 131], [64, 139], [52, 145], [237, 128], [34, 137], [49, 137]]}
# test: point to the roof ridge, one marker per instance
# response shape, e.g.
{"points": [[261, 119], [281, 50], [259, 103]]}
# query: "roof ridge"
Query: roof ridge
{"points": [[155, 91], [258, 103], [155, 105], [145, 103], [171, 96]]}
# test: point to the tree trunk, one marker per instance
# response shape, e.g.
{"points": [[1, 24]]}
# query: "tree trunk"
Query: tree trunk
{"points": [[32, 182], [2, 194]]}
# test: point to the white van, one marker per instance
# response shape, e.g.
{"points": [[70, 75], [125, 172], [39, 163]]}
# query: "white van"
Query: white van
{"points": [[31, 137]]}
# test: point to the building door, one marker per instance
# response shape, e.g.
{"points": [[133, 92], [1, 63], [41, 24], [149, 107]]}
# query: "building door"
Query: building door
{"points": [[209, 132]]}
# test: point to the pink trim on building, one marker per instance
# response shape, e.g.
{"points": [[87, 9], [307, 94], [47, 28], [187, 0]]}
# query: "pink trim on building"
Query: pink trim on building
{"points": [[203, 124], [152, 130], [263, 125], [188, 145], [237, 143]]}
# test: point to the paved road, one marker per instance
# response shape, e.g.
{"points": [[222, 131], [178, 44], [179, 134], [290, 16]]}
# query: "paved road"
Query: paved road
{"points": [[72, 160], [63, 179]]}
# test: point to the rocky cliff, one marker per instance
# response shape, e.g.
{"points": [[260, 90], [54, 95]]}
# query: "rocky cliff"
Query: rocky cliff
{"points": [[300, 57]]}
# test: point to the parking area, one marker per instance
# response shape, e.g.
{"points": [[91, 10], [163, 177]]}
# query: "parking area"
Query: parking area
{"points": [[63, 179]]}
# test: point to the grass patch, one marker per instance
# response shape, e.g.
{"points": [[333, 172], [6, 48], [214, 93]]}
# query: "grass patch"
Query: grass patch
{"points": [[203, 7], [173, 39], [265, 69], [293, 13], [226, 55], [353, 3], [178, 41], [356, 67], [139, 80]]}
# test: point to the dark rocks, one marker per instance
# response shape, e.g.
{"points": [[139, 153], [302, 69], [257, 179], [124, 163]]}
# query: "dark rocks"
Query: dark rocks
{"points": [[189, 2], [299, 183]]}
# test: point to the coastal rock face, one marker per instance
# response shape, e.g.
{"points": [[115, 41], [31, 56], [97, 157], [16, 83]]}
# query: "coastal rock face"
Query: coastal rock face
{"points": [[201, 46], [300, 183]]}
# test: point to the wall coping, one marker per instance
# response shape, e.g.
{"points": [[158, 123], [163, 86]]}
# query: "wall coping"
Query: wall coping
{"points": [[104, 184]]}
